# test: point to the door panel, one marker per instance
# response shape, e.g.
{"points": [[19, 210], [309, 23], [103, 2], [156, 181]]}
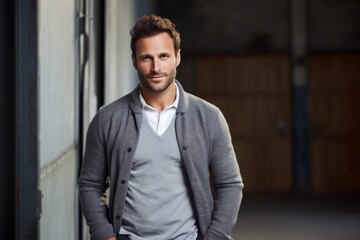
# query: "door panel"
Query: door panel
{"points": [[334, 112], [335, 164], [265, 164], [253, 93]]}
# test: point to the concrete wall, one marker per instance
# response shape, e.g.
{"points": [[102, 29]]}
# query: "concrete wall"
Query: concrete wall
{"points": [[230, 25], [260, 25], [58, 121], [333, 25]]}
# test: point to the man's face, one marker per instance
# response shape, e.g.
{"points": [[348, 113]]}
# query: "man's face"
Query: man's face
{"points": [[156, 62]]}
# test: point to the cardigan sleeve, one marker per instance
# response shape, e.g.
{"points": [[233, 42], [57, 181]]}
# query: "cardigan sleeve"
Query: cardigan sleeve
{"points": [[93, 184], [227, 182]]}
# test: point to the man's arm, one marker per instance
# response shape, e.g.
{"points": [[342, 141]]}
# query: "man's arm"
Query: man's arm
{"points": [[93, 184], [227, 183]]}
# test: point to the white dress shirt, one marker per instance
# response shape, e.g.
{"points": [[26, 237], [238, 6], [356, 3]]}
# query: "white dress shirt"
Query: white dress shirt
{"points": [[159, 121]]}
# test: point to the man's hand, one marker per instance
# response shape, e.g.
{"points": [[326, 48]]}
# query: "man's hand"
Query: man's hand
{"points": [[112, 238]]}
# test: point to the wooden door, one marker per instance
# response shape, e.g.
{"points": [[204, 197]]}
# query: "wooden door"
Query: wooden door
{"points": [[253, 92], [334, 94]]}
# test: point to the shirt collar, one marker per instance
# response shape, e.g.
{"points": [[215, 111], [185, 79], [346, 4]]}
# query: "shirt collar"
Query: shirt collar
{"points": [[175, 104]]}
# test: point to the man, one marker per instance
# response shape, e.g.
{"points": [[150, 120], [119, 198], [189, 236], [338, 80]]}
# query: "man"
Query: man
{"points": [[156, 148]]}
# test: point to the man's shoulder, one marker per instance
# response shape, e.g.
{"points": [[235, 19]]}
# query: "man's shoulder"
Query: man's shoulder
{"points": [[202, 114], [118, 106], [200, 104]]}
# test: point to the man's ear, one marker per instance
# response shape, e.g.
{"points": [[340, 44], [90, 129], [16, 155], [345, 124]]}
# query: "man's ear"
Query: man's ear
{"points": [[133, 58], [178, 57]]}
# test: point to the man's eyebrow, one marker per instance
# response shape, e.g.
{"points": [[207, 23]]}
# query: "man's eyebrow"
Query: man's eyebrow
{"points": [[145, 55], [150, 55], [164, 53]]}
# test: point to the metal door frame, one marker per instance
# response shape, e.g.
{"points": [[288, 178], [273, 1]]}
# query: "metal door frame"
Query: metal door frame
{"points": [[27, 195]]}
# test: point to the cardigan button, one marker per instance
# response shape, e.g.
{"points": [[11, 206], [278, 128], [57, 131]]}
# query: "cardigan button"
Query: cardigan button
{"points": [[123, 181], [117, 217], [185, 147], [129, 149]]}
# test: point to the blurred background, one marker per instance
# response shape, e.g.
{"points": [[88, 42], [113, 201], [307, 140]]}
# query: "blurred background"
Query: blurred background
{"points": [[285, 73]]}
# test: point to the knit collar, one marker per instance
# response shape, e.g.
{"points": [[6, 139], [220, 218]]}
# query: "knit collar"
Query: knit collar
{"points": [[182, 106], [144, 105]]}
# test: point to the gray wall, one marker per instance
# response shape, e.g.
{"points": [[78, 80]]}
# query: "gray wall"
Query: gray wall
{"points": [[229, 25], [58, 118], [260, 25], [334, 25]]}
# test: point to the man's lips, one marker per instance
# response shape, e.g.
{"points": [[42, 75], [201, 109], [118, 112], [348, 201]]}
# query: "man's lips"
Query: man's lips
{"points": [[155, 76]]}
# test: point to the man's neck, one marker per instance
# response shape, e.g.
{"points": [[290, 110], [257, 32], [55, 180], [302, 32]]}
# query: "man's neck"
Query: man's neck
{"points": [[160, 100]]}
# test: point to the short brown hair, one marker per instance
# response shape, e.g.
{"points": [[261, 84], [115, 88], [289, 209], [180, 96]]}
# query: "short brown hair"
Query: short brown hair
{"points": [[152, 25]]}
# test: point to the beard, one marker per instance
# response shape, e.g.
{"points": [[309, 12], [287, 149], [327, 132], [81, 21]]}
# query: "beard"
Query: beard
{"points": [[157, 87]]}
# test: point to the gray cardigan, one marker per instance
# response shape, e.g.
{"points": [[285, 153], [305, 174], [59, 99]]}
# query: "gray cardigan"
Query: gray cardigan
{"points": [[205, 145]]}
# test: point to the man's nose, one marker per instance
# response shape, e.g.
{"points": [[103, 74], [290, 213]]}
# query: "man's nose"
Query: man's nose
{"points": [[156, 65]]}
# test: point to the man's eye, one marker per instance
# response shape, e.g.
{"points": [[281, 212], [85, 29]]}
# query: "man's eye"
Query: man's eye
{"points": [[146, 58], [164, 56]]}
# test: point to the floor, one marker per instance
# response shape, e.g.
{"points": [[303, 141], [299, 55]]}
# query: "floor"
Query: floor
{"points": [[279, 217]]}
